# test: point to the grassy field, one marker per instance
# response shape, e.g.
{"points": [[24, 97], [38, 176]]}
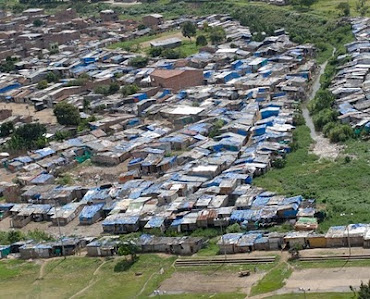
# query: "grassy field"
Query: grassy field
{"points": [[340, 188], [273, 280], [137, 41], [99, 278]]}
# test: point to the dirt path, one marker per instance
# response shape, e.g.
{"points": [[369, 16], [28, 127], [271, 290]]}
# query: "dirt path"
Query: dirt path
{"points": [[92, 281], [322, 146]]}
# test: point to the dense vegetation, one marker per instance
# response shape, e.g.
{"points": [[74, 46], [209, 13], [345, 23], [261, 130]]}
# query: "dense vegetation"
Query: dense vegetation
{"points": [[28, 137]]}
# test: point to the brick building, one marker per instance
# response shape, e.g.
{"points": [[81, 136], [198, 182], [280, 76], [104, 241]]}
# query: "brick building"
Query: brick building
{"points": [[153, 20], [108, 15], [176, 79]]}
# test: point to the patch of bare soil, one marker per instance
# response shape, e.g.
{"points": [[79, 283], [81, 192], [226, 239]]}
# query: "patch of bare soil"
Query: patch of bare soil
{"points": [[196, 282], [72, 228], [327, 280], [45, 116], [90, 174], [324, 149]]}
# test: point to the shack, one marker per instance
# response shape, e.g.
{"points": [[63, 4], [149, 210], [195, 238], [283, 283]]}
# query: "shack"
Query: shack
{"points": [[91, 213]]}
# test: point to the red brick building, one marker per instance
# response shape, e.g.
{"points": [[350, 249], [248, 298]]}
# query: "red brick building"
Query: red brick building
{"points": [[176, 79], [153, 20]]}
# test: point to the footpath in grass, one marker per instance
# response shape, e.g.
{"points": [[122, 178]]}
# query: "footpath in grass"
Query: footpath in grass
{"points": [[273, 280]]}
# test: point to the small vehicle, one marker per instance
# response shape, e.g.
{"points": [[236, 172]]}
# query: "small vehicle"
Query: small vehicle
{"points": [[244, 273]]}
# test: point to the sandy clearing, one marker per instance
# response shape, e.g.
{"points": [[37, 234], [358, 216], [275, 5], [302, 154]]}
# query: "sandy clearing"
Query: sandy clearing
{"points": [[72, 228], [196, 282], [327, 280], [45, 116]]}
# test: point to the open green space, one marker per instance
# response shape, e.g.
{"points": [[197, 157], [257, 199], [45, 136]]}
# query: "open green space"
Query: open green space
{"points": [[340, 187], [273, 280], [137, 41]]}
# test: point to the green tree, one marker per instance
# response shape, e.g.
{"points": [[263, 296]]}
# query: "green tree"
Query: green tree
{"points": [[6, 129], [323, 117], [52, 77], [344, 9], [323, 99], [155, 51], [217, 35], [170, 54], [129, 89], [361, 7], [128, 247], [139, 61], [233, 228], [14, 236], [141, 27], [42, 84], [38, 23], [340, 133], [201, 40], [113, 88], [29, 136], [188, 29], [67, 114], [363, 292]]}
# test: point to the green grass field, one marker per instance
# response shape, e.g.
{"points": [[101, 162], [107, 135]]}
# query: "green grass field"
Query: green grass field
{"points": [[340, 188], [273, 280], [86, 277]]}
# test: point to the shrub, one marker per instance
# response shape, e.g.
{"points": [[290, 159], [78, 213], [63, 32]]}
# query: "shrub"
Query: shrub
{"points": [[170, 54], [139, 61], [155, 51], [42, 84], [340, 133], [233, 228], [201, 41]]}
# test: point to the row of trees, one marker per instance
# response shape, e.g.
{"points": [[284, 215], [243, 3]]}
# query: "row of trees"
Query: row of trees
{"points": [[216, 34]]}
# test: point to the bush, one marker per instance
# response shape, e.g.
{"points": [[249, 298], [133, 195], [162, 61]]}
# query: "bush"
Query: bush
{"points": [[29, 136], [201, 41], [188, 29], [139, 61], [67, 114], [340, 133], [155, 51], [129, 89], [323, 99], [217, 35], [6, 129], [62, 135], [234, 228], [38, 23], [323, 117], [51, 77], [170, 54], [42, 84], [279, 163]]}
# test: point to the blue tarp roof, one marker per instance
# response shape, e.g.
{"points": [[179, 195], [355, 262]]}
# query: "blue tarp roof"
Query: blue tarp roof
{"points": [[89, 212]]}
